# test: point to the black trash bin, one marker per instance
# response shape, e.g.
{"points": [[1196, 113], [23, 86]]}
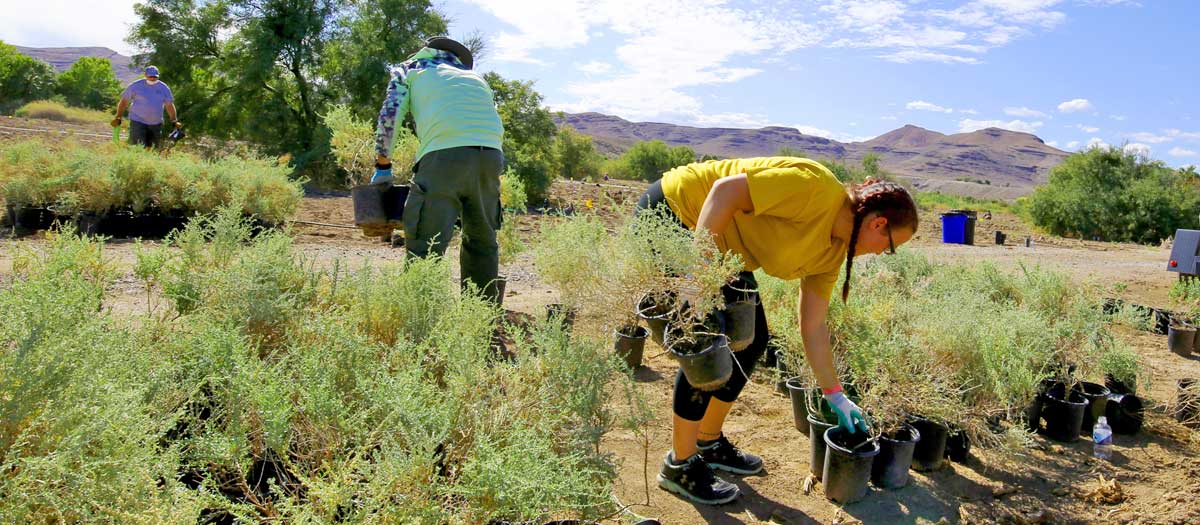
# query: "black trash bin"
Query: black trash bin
{"points": [[972, 219]]}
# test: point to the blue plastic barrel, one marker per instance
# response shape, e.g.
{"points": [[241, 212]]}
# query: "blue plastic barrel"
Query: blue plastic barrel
{"points": [[954, 228]]}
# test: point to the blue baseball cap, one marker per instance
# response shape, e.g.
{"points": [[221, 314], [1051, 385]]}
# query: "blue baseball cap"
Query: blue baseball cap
{"points": [[152, 71]]}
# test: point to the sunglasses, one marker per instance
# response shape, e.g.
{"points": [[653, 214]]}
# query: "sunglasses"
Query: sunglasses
{"points": [[891, 244]]}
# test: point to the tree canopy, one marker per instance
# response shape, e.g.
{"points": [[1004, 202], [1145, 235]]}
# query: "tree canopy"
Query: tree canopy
{"points": [[90, 83], [23, 78]]}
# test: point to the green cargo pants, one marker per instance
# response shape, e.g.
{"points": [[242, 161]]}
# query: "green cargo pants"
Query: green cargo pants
{"points": [[456, 183]]}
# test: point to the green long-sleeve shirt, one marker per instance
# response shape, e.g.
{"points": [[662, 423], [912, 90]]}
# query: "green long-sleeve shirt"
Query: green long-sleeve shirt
{"points": [[451, 105]]}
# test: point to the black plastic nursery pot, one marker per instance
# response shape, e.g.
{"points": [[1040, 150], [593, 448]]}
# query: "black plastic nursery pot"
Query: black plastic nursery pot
{"points": [[706, 359], [379, 205], [958, 446], [890, 469], [88, 223], [801, 395], [496, 288], [1187, 402], [738, 318], [848, 461], [1181, 339], [930, 451], [563, 313], [1117, 386], [1063, 413], [1124, 413], [25, 220], [1097, 398], [655, 313], [630, 345], [816, 443]]}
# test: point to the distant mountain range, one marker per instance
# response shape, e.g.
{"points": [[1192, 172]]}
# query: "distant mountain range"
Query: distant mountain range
{"points": [[62, 58], [989, 163]]}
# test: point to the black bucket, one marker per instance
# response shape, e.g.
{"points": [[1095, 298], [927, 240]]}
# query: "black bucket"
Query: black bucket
{"points": [[958, 446], [1124, 413], [800, 395], [816, 443], [739, 322], [708, 369], [848, 460], [379, 206], [630, 347], [1181, 339], [655, 314], [1063, 413], [890, 469], [563, 313], [930, 451], [1097, 398]]}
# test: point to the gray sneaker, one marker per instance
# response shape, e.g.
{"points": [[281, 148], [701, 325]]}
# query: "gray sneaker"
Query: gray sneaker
{"points": [[695, 481]]}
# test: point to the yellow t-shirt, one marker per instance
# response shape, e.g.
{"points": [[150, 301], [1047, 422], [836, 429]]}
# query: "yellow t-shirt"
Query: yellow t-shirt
{"points": [[789, 234]]}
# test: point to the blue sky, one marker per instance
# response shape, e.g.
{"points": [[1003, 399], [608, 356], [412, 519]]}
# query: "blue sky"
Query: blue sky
{"points": [[1073, 72]]}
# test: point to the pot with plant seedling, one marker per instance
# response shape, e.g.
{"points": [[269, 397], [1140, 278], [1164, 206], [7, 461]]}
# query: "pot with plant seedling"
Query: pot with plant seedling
{"points": [[655, 310], [958, 445], [702, 351], [930, 451], [630, 344], [739, 312], [820, 419], [896, 447], [561, 315], [1181, 338], [1063, 410], [848, 461], [802, 395], [1097, 397]]}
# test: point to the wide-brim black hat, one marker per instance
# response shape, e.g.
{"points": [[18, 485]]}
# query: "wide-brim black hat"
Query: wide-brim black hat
{"points": [[453, 46]]}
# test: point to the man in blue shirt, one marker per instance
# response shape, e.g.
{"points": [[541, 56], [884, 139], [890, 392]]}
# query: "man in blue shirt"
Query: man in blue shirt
{"points": [[146, 98]]}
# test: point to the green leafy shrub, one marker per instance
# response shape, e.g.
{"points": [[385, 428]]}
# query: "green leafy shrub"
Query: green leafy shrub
{"points": [[1116, 196], [649, 160], [90, 83], [352, 141]]}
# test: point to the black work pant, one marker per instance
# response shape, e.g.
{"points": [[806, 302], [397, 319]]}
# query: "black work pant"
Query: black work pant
{"points": [[148, 135]]}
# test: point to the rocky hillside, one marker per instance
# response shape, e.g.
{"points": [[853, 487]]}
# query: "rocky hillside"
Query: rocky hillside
{"points": [[991, 163], [62, 58]]}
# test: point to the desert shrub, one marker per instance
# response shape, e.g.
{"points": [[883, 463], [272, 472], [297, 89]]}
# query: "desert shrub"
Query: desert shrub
{"points": [[76, 179], [279, 390], [352, 141], [512, 192], [52, 110], [648, 160], [964, 345]]}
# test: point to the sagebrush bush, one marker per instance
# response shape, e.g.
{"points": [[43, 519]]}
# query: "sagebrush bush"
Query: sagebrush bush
{"points": [[76, 179], [277, 389], [52, 110]]}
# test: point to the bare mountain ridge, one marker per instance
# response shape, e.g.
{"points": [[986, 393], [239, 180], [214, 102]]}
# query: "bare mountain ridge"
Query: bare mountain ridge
{"points": [[990, 163], [61, 59]]}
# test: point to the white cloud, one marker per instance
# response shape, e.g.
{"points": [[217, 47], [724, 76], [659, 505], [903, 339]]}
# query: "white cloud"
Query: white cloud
{"points": [[969, 125], [62, 23], [1052, 144], [921, 105], [1180, 152], [1086, 129], [1137, 149], [1024, 112], [1145, 136], [1071, 146], [1117, 117], [731, 120], [909, 56], [1096, 142], [595, 67], [1072, 106], [968, 112], [831, 135]]}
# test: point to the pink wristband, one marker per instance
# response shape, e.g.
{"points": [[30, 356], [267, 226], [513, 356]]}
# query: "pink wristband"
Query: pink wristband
{"points": [[830, 391]]}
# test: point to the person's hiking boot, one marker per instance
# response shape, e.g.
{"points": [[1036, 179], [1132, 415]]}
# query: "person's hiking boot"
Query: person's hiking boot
{"points": [[694, 480], [721, 454]]}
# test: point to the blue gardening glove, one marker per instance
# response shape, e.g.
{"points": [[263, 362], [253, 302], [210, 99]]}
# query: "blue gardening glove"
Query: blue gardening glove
{"points": [[850, 417], [382, 176]]}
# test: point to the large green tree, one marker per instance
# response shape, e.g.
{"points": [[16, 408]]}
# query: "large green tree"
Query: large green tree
{"points": [[90, 83], [648, 160], [22, 78], [1117, 196], [577, 157], [266, 70], [529, 133]]}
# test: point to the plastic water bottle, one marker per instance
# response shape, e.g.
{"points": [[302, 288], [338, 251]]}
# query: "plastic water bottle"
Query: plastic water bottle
{"points": [[1102, 436]]}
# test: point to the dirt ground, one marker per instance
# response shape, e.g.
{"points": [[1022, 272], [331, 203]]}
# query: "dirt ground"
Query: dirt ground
{"points": [[1157, 472]]}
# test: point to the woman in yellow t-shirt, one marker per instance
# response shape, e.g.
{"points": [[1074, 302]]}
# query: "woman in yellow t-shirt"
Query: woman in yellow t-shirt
{"points": [[791, 217]]}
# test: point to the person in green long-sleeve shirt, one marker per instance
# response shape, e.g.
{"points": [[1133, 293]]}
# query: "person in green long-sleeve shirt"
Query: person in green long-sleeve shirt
{"points": [[459, 161]]}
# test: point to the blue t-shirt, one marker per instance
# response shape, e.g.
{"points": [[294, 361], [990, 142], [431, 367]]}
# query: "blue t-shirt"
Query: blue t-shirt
{"points": [[146, 101]]}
